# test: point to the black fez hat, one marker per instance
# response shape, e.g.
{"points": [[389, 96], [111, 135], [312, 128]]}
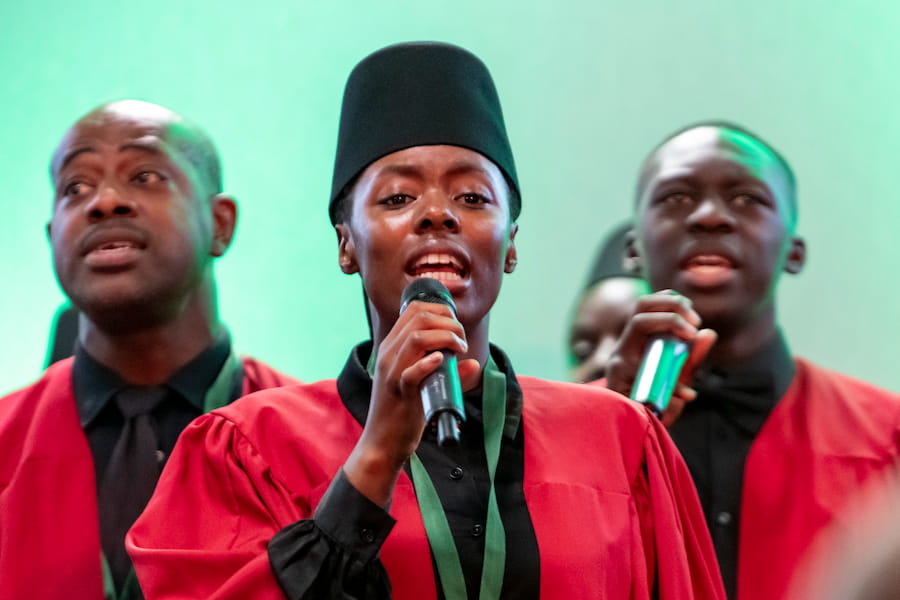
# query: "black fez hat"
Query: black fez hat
{"points": [[419, 94], [610, 258]]}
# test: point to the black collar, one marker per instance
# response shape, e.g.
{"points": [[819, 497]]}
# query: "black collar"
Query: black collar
{"points": [[95, 385], [355, 388], [747, 392]]}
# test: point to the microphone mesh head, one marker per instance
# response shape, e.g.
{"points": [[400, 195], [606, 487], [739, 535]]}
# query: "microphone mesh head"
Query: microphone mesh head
{"points": [[426, 289]]}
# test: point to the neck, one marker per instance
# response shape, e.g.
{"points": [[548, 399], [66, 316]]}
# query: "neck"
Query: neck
{"points": [[150, 352], [738, 343]]}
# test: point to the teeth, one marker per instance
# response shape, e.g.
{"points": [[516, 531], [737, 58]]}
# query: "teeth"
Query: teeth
{"points": [[441, 275], [115, 245], [438, 260]]}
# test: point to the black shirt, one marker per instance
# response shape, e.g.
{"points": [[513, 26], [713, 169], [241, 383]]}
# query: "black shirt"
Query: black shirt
{"points": [[460, 477], [714, 434], [95, 387]]}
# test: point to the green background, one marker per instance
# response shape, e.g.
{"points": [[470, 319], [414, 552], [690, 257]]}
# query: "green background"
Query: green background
{"points": [[587, 89]]}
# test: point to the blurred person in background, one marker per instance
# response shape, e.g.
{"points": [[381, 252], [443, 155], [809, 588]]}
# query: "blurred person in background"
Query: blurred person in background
{"points": [[603, 308]]}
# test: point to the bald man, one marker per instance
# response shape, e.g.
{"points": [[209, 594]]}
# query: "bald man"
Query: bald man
{"points": [[138, 220]]}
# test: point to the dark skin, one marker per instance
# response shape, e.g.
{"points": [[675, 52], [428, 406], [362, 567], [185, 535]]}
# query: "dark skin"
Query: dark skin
{"points": [[715, 228], [439, 211], [137, 222], [603, 311]]}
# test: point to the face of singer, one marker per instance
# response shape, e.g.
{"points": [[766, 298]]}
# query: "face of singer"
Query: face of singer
{"points": [[715, 222], [133, 227], [600, 318], [435, 211]]}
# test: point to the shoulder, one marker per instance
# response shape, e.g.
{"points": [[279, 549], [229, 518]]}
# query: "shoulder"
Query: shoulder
{"points": [[585, 433], [54, 383], [582, 405], [298, 434], [812, 378], [259, 376], [40, 420], [304, 413], [561, 394], [837, 414], [287, 402]]}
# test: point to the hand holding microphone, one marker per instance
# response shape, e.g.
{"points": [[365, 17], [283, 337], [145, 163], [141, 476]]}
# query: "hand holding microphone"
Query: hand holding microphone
{"points": [[441, 390], [657, 353], [410, 353]]}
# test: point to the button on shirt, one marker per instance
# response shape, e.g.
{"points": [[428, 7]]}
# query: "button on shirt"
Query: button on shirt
{"points": [[714, 434], [460, 477]]}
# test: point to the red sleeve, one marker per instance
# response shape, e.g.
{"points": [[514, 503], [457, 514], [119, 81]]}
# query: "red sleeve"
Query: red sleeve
{"points": [[677, 545], [205, 531]]}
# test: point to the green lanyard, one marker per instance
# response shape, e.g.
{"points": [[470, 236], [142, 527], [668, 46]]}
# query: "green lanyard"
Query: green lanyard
{"points": [[435, 519], [437, 528]]}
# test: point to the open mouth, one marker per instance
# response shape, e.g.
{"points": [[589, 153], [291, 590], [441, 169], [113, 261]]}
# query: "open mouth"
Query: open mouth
{"points": [[440, 266], [709, 261], [709, 270], [116, 245]]}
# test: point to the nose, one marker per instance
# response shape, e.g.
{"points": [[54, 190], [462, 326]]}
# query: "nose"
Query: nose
{"points": [[711, 214], [109, 202], [437, 212]]}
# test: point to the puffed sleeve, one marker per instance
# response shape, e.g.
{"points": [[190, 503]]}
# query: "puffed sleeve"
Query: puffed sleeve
{"points": [[676, 541], [208, 530]]}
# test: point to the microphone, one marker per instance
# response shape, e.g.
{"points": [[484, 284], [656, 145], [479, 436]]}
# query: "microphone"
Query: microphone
{"points": [[660, 367], [441, 390]]}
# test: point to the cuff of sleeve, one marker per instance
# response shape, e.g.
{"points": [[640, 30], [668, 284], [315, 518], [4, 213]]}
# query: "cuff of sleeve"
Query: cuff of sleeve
{"points": [[352, 520]]}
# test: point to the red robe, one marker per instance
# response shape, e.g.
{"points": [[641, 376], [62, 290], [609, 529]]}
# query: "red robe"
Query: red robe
{"points": [[610, 499], [49, 529], [828, 437]]}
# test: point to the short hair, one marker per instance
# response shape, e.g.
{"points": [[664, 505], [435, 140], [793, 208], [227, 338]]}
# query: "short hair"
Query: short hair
{"points": [[735, 128]]}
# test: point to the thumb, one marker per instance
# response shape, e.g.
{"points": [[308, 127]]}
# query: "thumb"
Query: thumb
{"points": [[469, 374], [699, 349]]}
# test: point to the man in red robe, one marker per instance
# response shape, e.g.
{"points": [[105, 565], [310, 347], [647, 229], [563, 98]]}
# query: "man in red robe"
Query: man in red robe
{"points": [[776, 445], [138, 219], [338, 490]]}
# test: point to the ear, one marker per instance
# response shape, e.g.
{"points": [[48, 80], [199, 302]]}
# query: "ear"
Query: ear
{"points": [[631, 259], [224, 214], [346, 251], [512, 255], [796, 257]]}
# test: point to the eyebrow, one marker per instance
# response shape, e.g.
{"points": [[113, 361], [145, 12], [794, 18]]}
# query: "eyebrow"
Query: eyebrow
{"points": [[463, 167], [72, 155], [151, 147], [404, 170]]}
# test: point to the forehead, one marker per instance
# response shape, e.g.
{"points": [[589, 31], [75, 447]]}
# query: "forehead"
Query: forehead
{"points": [[429, 163], [439, 160], [613, 291], [714, 152], [120, 130]]}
